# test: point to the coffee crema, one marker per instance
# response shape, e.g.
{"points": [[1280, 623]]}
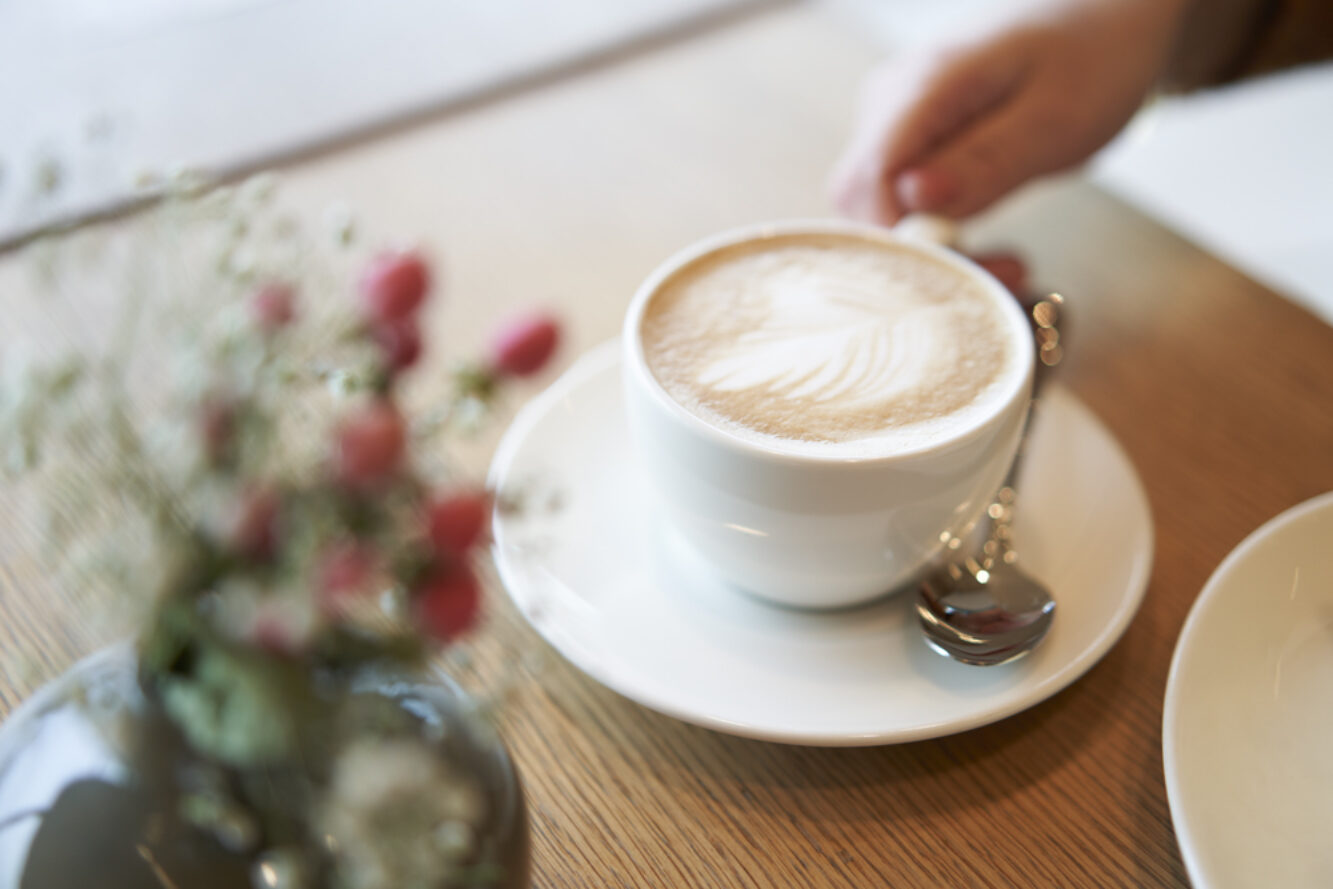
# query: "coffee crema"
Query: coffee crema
{"points": [[829, 343]]}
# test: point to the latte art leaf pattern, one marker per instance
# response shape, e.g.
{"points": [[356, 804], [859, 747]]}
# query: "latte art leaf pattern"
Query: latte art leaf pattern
{"points": [[834, 346], [827, 339]]}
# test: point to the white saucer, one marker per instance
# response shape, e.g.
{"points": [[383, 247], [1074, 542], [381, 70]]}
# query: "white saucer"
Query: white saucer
{"points": [[606, 584], [1248, 720]]}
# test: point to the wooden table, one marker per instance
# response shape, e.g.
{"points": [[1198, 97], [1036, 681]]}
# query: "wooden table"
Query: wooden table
{"points": [[568, 194]]}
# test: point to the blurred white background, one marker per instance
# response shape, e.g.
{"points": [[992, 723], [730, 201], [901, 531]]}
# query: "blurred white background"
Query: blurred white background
{"points": [[110, 88], [107, 88]]}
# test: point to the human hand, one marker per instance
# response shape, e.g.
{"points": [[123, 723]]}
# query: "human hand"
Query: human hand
{"points": [[949, 130]]}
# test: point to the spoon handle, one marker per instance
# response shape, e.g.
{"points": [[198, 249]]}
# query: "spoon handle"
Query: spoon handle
{"points": [[997, 522]]}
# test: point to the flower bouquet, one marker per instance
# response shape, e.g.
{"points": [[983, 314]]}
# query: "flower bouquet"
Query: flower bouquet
{"points": [[304, 551]]}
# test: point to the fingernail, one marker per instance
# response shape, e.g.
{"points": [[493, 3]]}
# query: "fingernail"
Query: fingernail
{"points": [[925, 191]]}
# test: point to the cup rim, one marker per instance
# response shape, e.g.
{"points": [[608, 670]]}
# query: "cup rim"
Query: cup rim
{"points": [[1018, 385]]}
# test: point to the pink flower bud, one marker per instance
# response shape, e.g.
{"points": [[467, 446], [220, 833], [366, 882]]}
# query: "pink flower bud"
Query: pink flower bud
{"points": [[271, 634], [399, 342], [455, 523], [370, 444], [279, 629], [394, 285], [217, 427], [448, 603], [523, 347], [254, 532], [273, 306], [344, 571]]}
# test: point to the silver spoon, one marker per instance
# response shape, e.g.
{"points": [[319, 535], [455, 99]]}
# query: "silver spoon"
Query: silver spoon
{"points": [[983, 609]]}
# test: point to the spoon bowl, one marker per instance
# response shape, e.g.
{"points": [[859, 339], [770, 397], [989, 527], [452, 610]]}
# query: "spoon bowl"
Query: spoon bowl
{"points": [[984, 618]]}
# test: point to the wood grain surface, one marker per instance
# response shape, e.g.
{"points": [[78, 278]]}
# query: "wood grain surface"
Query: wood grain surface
{"points": [[568, 195]]}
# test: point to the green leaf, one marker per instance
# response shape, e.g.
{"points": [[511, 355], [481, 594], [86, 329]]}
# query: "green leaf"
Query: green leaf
{"points": [[230, 707]]}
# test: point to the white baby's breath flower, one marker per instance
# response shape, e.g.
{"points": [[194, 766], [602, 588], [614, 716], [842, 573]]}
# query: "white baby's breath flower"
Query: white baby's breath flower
{"points": [[219, 197], [455, 839], [186, 181], [147, 179], [285, 227], [249, 612], [258, 189], [393, 603], [469, 415], [238, 226], [243, 262], [340, 224], [341, 383], [47, 175], [461, 802]]}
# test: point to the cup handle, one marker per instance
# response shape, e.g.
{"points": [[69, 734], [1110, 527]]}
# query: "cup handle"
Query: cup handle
{"points": [[929, 229]]}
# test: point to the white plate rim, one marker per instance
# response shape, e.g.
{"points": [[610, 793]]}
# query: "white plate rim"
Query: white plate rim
{"points": [[1180, 819], [602, 358]]}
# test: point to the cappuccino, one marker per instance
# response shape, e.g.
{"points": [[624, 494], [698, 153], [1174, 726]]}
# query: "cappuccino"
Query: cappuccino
{"points": [[830, 343]]}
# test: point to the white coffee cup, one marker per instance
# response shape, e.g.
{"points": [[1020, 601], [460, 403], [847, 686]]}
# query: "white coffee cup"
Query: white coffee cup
{"points": [[820, 530]]}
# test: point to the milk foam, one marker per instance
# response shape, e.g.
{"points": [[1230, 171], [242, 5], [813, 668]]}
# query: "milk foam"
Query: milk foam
{"points": [[829, 343]]}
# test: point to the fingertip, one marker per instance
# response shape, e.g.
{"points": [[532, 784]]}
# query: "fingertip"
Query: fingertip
{"points": [[862, 198], [845, 196], [925, 190]]}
